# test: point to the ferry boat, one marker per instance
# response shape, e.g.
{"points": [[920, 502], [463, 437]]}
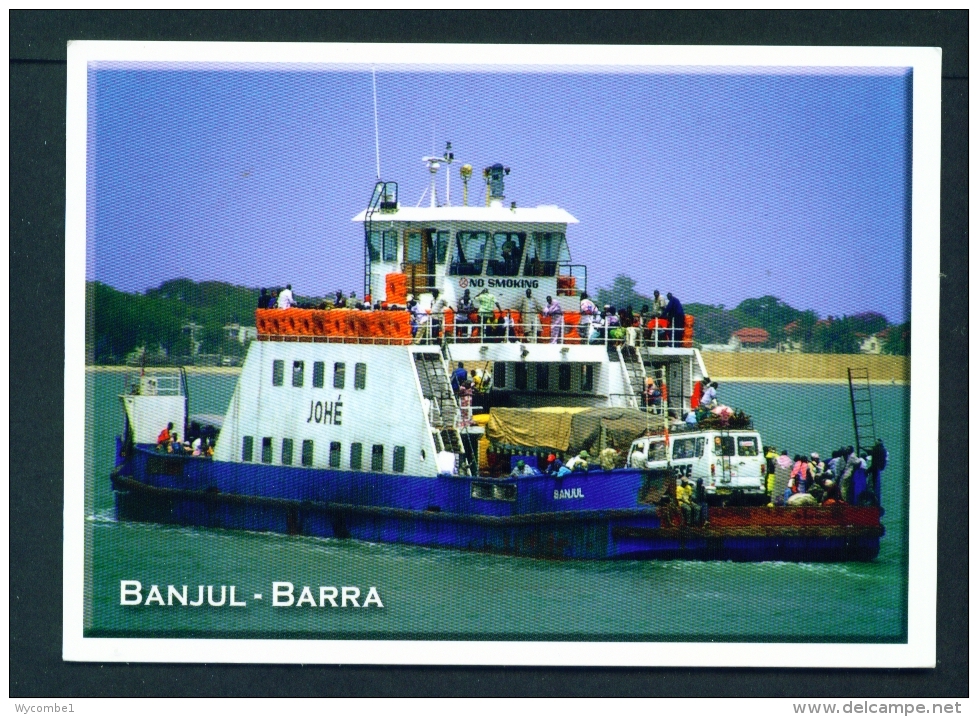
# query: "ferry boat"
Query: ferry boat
{"points": [[345, 423]]}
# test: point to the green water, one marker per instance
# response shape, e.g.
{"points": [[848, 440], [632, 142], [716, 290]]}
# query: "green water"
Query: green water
{"points": [[441, 594]]}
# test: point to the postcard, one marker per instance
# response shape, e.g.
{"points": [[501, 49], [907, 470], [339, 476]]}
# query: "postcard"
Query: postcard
{"points": [[523, 355]]}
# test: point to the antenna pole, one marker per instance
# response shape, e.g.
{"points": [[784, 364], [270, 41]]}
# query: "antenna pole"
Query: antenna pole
{"points": [[373, 71]]}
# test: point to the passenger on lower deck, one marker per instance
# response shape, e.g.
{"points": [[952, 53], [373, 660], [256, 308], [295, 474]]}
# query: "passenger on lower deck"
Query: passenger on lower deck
{"points": [[578, 462], [684, 498], [164, 437], [522, 469]]}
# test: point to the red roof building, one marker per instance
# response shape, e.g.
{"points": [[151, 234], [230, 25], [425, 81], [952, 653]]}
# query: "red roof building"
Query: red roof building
{"points": [[750, 337]]}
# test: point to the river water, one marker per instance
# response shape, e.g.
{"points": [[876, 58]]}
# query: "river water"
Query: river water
{"points": [[442, 594]]}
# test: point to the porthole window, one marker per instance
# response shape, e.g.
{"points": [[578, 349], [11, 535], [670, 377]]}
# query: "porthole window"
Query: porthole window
{"points": [[318, 374], [307, 453], [278, 372], [499, 374], [564, 377], [286, 451], [298, 373], [356, 456], [543, 377], [339, 375], [587, 377], [334, 454], [266, 450], [377, 458], [398, 459], [360, 376]]}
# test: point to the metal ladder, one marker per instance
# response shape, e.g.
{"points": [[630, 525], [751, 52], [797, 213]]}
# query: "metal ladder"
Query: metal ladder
{"points": [[862, 409], [444, 413], [634, 369]]}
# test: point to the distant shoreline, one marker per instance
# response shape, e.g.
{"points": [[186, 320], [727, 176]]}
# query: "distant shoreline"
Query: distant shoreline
{"points": [[734, 367]]}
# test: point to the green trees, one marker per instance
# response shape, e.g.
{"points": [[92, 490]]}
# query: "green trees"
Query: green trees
{"points": [[715, 324]]}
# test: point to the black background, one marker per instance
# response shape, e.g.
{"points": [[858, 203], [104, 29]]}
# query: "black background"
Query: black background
{"points": [[37, 193]]}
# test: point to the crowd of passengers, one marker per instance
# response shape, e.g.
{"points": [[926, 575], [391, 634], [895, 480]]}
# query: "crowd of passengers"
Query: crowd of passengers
{"points": [[661, 324], [168, 441], [813, 481]]}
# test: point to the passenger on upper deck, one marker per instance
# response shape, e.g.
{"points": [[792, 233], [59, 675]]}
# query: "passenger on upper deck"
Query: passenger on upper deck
{"points": [[676, 315], [285, 298], [263, 299], [487, 308], [438, 307], [589, 312], [709, 399], [340, 301], [528, 308], [463, 313], [658, 305], [556, 315]]}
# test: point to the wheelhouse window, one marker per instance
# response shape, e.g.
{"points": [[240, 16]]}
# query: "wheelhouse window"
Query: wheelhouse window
{"points": [[499, 374], [587, 377], [412, 246], [564, 377], [334, 454], [339, 375], [318, 374], [505, 253], [278, 372], [441, 240], [543, 377], [286, 451], [390, 245], [544, 251], [307, 453], [468, 251], [377, 458], [247, 449], [266, 450], [356, 456], [360, 376], [298, 373], [398, 459]]}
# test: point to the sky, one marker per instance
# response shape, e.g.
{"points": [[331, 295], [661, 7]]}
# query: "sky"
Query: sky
{"points": [[717, 186]]}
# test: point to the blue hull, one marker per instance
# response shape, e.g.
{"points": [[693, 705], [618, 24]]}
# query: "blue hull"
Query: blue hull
{"points": [[591, 516]]}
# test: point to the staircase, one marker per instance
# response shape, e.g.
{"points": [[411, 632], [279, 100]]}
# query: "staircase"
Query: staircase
{"points": [[444, 413], [634, 369], [862, 409]]}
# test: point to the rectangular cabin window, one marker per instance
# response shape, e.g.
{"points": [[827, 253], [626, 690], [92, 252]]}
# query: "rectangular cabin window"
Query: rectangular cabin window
{"points": [[298, 373], [519, 371], [286, 451], [441, 246], [543, 376], [278, 372], [412, 246], [564, 377], [307, 452], [544, 252], [468, 251], [390, 245], [334, 454], [505, 253], [377, 458], [398, 459], [374, 245], [356, 456], [360, 376], [499, 374], [247, 449], [266, 450], [339, 375], [318, 374], [587, 377]]}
